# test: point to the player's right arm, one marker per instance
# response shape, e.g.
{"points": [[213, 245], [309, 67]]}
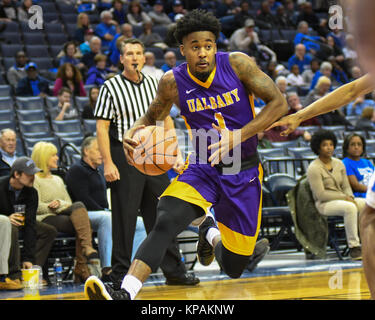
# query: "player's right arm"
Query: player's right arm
{"points": [[158, 110], [336, 99]]}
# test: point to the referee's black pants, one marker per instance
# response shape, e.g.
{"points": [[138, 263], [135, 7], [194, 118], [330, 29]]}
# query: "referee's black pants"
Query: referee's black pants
{"points": [[136, 194]]}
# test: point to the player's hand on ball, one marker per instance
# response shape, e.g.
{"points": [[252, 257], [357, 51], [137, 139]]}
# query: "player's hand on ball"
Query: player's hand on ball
{"points": [[291, 121], [179, 164], [129, 143], [229, 139]]}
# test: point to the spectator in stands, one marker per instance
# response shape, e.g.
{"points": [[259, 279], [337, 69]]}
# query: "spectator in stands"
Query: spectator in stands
{"points": [[170, 39], [178, 11], [339, 36], [266, 16], [243, 14], [355, 73], [282, 84], [151, 38], [309, 74], [86, 183], [349, 51], [282, 19], [170, 61], [6, 240], [18, 71], [136, 16], [309, 16], [339, 76], [126, 33], [118, 12], [226, 8], [294, 78], [64, 110], [274, 5], [84, 47], [271, 70], [8, 11], [295, 105], [23, 11], [149, 67], [69, 76], [325, 70], [158, 16], [70, 51], [320, 90], [312, 43], [290, 11], [358, 169], [33, 84], [329, 50], [358, 105], [274, 135], [83, 25], [57, 209], [8, 146], [300, 58], [95, 48], [98, 73], [38, 238], [366, 122], [106, 30], [88, 110], [331, 189]]}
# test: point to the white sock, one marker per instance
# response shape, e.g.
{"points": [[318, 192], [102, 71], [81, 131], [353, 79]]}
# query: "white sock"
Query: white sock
{"points": [[132, 285], [211, 234]]}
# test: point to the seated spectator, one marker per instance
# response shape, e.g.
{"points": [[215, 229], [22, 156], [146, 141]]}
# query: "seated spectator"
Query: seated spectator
{"points": [[243, 14], [95, 48], [358, 169], [114, 52], [178, 11], [366, 122], [8, 146], [290, 11], [18, 71], [339, 36], [312, 43], [300, 58], [8, 11], [309, 74], [349, 51], [355, 73], [274, 135], [149, 67], [86, 183], [170, 61], [295, 105], [83, 25], [106, 29], [224, 8], [88, 110], [358, 105], [265, 15], [294, 78], [282, 19], [33, 84], [98, 73], [158, 16], [84, 47], [136, 16], [282, 84], [320, 90], [64, 110], [330, 49], [56, 208], [274, 5], [69, 76], [307, 14], [170, 39], [331, 189], [23, 11], [38, 237], [70, 52], [325, 70], [338, 73], [118, 12], [151, 38]]}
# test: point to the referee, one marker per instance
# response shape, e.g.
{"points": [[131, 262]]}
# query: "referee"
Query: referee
{"points": [[122, 100]]}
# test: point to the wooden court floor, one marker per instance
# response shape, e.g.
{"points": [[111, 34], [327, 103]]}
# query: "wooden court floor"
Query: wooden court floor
{"points": [[336, 284]]}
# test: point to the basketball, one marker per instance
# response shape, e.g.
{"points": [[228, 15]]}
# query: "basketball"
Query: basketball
{"points": [[156, 152]]}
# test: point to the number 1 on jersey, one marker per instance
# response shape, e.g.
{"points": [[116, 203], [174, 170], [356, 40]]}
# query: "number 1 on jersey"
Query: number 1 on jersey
{"points": [[220, 120]]}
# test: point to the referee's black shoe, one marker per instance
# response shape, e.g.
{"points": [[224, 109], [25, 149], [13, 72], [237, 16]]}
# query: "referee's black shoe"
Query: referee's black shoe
{"points": [[187, 279], [205, 251]]}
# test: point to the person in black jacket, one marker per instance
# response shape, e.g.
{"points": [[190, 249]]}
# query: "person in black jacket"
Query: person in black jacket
{"points": [[38, 237], [33, 84]]}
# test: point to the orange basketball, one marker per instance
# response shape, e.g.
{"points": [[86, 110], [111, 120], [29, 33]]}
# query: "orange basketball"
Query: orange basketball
{"points": [[156, 152]]}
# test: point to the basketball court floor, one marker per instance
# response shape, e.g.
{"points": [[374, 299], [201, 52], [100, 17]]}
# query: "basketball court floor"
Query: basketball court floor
{"points": [[281, 275]]}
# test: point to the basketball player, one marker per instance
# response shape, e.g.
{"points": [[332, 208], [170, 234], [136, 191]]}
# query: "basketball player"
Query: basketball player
{"points": [[362, 19], [214, 91]]}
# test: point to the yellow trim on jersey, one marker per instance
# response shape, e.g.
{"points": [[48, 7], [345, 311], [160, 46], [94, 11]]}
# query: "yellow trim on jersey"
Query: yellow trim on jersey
{"points": [[252, 105], [237, 242], [208, 82], [186, 192], [188, 127]]}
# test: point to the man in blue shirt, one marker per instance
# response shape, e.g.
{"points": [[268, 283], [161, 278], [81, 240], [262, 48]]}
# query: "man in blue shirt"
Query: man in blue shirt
{"points": [[170, 61], [33, 84], [299, 58], [106, 30], [356, 107], [311, 42]]}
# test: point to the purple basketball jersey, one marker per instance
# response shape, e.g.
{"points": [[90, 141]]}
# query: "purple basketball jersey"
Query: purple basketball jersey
{"points": [[222, 100]]}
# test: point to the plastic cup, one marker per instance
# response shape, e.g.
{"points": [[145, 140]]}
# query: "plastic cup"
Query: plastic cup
{"points": [[20, 209], [30, 278]]}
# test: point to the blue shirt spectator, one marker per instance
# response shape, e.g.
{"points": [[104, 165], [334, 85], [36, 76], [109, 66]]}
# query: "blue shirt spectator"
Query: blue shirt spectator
{"points": [[356, 107], [362, 169], [300, 58], [106, 30], [32, 84]]}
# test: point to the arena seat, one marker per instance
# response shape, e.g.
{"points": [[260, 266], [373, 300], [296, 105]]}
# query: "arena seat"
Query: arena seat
{"points": [[6, 103], [40, 128], [7, 115], [8, 124], [29, 103], [35, 51], [89, 126], [31, 115], [67, 128], [10, 50], [5, 90]]}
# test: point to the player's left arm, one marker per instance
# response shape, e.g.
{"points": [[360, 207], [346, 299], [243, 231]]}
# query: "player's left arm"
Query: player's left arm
{"points": [[263, 87]]}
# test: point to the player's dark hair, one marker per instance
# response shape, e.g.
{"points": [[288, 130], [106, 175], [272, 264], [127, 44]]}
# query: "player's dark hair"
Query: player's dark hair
{"points": [[345, 145], [319, 136], [197, 20]]}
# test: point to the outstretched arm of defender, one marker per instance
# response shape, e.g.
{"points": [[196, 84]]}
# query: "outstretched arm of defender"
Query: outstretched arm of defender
{"points": [[158, 110], [336, 99]]}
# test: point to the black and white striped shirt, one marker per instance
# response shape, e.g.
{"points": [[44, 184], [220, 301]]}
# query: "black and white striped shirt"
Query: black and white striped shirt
{"points": [[123, 101]]}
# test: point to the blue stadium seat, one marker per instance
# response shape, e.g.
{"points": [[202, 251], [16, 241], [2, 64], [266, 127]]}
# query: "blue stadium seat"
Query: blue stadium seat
{"points": [[56, 38], [34, 38], [77, 141], [29, 103], [7, 115], [81, 102], [65, 8], [52, 102], [89, 125], [11, 27], [158, 52], [6, 103], [31, 115], [5, 90], [370, 145], [20, 150], [34, 51], [51, 17], [69, 18], [55, 49], [66, 128], [30, 142], [9, 50], [11, 37], [48, 7], [53, 28], [161, 30], [8, 124], [44, 63], [32, 129]]}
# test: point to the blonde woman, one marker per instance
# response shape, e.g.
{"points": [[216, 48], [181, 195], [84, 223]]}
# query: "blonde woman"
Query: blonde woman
{"points": [[83, 25], [56, 208]]}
